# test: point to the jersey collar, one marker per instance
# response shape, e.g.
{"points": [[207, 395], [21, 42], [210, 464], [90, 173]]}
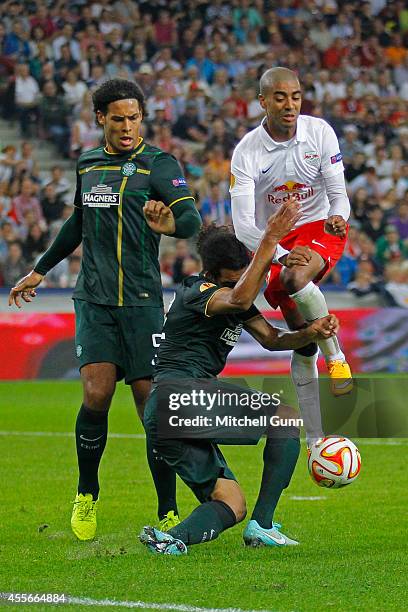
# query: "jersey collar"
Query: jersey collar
{"points": [[270, 144]]}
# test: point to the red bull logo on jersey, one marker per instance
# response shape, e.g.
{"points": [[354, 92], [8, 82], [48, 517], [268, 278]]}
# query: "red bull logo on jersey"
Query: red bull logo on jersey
{"points": [[282, 193]]}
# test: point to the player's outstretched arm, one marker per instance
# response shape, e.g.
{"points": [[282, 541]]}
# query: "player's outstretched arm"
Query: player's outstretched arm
{"points": [[276, 339], [244, 293], [67, 240]]}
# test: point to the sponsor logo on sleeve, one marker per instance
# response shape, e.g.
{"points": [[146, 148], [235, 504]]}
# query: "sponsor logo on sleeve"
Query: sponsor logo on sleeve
{"points": [[231, 336], [179, 182], [101, 196], [205, 286], [336, 158]]}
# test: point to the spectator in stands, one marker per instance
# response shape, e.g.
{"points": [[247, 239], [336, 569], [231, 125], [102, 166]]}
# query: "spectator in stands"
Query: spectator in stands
{"points": [[26, 162], [52, 203], [8, 163], [35, 244], [216, 207], [188, 127], [181, 252], [365, 281], [65, 64], [14, 265], [205, 66], [375, 222], [390, 247], [59, 181], [66, 37], [70, 277], [166, 268], [26, 98], [396, 285], [54, 112], [350, 143], [191, 265], [5, 201], [74, 91], [400, 220], [25, 202], [85, 134], [16, 46], [8, 234]]}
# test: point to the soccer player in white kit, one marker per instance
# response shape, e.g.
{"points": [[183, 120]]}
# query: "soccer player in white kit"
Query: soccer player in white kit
{"points": [[295, 156]]}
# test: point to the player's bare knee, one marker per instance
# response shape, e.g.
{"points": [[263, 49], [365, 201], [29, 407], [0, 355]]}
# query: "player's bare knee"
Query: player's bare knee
{"points": [[98, 395], [229, 492], [295, 278]]}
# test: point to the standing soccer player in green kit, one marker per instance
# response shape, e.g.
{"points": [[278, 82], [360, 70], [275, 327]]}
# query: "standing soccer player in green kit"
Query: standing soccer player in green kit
{"points": [[128, 194], [202, 326]]}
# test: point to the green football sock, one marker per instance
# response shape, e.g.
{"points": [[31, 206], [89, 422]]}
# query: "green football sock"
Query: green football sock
{"points": [[205, 523], [164, 478], [280, 456], [91, 433]]}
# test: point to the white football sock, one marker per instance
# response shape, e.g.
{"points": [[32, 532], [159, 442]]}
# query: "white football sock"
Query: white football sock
{"points": [[305, 377], [312, 305]]}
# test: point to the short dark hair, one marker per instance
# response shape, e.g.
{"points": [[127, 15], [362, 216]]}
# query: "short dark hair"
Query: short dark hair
{"points": [[219, 248], [117, 89]]}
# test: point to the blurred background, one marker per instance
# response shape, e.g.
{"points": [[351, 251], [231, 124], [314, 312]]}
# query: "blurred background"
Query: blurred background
{"points": [[199, 65]]}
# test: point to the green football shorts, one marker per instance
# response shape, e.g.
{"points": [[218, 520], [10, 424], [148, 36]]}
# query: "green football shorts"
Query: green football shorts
{"points": [[127, 336], [199, 463]]}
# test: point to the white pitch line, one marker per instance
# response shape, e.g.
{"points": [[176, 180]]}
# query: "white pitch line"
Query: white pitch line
{"points": [[144, 605], [67, 434], [85, 601]]}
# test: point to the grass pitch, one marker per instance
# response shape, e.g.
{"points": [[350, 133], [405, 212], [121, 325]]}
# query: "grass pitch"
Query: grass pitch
{"points": [[353, 552]]}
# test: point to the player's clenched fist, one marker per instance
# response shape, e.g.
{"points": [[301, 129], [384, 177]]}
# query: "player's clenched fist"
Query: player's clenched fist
{"points": [[159, 217], [280, 223], [336, 226], [324, 328]]}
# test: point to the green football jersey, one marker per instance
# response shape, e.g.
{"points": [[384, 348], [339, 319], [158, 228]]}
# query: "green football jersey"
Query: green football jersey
{"points": [[120, 252], [196, 345]]}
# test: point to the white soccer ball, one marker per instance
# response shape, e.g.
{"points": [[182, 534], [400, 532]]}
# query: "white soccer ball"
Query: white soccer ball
{"points": [[334, 462]]}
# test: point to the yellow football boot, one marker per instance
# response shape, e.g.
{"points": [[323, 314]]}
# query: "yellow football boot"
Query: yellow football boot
{"points": [[341, 379], [170, 520], [83, 519]]}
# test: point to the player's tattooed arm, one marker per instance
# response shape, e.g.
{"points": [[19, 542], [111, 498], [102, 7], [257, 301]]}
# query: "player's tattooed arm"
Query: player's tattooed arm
{"points": [[247, 288], [277, 339]]}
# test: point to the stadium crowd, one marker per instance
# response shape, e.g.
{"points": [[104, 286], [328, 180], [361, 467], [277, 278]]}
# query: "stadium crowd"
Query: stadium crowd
{"points": [[199, 64]]}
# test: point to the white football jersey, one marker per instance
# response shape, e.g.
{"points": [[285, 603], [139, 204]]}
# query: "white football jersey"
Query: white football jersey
{"points": [[269, 171]]}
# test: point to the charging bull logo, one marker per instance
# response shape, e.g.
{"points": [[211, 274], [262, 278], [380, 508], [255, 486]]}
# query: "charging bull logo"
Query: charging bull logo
{"points": [[282, 193]]}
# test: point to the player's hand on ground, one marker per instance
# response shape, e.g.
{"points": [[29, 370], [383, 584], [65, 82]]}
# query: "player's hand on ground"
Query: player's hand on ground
{"points": [[159, 217], [25, 289], [336, 226], [298, 256], [325, 327], [280, 223]]}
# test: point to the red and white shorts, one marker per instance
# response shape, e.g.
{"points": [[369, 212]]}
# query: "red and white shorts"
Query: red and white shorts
{"points": [[312, 235]]}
